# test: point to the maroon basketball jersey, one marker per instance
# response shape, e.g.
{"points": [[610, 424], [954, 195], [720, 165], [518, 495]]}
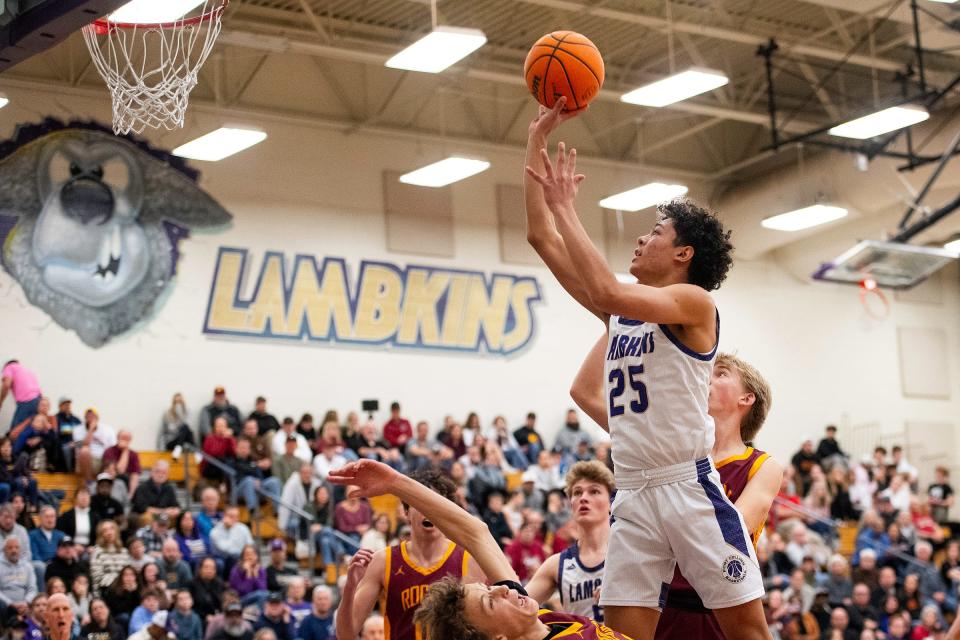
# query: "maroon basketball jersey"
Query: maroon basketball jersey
{"points": [[405, 583], [684, 616], [568, 625]]}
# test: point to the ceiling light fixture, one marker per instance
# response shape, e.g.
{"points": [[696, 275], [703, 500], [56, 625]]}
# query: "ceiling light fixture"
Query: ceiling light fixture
{"points": [[804, 218], [677, 87], [439, 49], [444, 172], [153, 12], [220, 144], [881, 122], [643, 197]]}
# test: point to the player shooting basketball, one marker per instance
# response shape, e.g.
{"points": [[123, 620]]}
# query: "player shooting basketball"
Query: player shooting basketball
{"points": [[399, 575], [660, 344], [452, 609]]}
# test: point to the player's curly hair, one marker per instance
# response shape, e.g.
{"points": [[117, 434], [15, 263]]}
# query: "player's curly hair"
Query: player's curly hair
{"points": [[700, 229], [434, 480], [441, 612]]}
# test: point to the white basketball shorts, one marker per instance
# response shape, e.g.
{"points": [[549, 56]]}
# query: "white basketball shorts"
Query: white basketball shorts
{"points": [[678, 516]]}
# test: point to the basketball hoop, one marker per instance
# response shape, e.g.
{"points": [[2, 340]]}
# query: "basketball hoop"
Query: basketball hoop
{"points": [[151, 68], [874, 301]]}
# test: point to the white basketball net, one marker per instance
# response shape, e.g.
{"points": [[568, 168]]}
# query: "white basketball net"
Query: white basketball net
{"points": [[150, 70]]}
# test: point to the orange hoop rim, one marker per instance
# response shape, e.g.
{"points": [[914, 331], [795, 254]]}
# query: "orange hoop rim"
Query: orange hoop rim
{"points": [[104, 26]]}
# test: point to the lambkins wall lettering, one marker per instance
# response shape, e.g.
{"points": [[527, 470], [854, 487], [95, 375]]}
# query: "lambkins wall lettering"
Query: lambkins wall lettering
{"points": [[422, 307]]}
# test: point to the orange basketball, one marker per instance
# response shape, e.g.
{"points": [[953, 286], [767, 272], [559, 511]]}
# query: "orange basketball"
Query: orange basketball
{"points": [[564, 63]]}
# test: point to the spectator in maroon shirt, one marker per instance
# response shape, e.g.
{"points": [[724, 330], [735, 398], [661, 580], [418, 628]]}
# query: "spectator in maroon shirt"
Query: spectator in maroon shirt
{"points": [[126, 460], [397, 430], [352, 516], [221, 445]]}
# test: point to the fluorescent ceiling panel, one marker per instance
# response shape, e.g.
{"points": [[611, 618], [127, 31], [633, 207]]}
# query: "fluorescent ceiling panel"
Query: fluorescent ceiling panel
{"points": [[881, 122], [220, 144], [153, 11], [643, 197], [444, 172], [439, 49], [804, 218], [677, 87]]}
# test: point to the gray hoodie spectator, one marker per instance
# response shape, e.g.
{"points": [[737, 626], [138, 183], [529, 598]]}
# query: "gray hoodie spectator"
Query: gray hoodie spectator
{"points": [[10, 529], [18, 580]]}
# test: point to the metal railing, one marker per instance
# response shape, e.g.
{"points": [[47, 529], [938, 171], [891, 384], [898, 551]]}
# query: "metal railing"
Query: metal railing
{"points": [[806, 512], [255, 514]]}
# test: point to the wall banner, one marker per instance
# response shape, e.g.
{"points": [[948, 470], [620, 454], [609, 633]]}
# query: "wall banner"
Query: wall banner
{"points": [[304, 297]]}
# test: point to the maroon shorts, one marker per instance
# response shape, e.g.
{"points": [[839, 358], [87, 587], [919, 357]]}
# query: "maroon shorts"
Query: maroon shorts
{"points": [[680, 624]]}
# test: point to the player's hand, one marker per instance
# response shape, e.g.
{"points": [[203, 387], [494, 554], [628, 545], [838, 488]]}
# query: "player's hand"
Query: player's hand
{"points": [[358, 566], [549, 119], [561, 182], [369, 477]]}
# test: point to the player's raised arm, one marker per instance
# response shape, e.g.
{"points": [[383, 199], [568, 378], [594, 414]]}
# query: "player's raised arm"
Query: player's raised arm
{"points": [[542, 232], [669, 303], [757, 498], [375, 478], [543, 584], [587, 389]]}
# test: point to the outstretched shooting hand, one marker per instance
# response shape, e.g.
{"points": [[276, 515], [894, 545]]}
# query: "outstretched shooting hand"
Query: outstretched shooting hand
{"points": [[549, 119], [371, 478], [560, 182]]}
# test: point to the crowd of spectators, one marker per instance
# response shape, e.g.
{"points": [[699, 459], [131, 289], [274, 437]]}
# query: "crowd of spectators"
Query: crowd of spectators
{"points": [[903, 577], [134, 562]]}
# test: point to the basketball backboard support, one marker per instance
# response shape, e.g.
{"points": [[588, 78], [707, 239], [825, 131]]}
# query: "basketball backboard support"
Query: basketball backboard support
{"points": [[29, 27], [890, 265]]}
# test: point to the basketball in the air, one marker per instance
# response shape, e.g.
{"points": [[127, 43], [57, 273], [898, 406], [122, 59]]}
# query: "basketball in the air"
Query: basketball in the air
{"points": [[564, 63]]}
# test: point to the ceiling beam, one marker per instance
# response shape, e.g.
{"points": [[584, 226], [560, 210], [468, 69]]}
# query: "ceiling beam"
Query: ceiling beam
{"points": [[720, 33], [280, 44], [11, 82]]}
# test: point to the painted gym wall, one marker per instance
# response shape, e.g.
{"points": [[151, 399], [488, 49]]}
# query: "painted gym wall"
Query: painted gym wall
{"points": [[316, 191]]}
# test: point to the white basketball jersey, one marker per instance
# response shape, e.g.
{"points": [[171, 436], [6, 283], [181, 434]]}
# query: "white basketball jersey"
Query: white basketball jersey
{"points": [[657, 392], [577, 584]]}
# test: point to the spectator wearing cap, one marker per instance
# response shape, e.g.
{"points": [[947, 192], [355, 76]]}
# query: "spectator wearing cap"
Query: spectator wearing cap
{"points": [[278, 573], [155, 534], [156, 495], [91, 439], [233, 627], [277, 617], [79, 522], [279, 442], [18, 580], [803, 462], [266, 421], [66, 423], [397, 430], [66, 565], [126, 461], [103, 505], [220, 407], [319, 624], [829, 452], [154, 629], [19, 381], [219, 445], [287, 464], [529, 439]]}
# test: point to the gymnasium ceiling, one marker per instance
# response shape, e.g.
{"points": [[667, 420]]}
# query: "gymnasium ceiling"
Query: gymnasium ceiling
{"points": [[322, 61]]}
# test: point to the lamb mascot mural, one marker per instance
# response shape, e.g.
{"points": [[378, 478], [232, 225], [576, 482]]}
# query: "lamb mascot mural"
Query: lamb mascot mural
{"points": [[91, 223]]}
